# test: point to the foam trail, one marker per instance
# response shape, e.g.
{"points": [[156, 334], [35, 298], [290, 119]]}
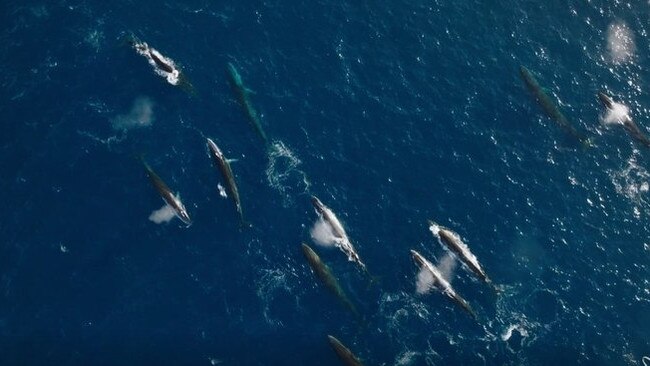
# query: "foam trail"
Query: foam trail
{"points": [[616, 115], [141, 115], [283, 172], [620, 42], [164, 214], [446, 266], [323, 234], [406, 358], [508, 333], [424, 282]]}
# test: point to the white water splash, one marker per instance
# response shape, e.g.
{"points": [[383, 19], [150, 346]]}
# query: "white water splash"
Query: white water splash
{"points": [[172, 77], [222, 191], [323, 234], [435, 229], [406, 358], [425, 281], [508, 332], [164, 214], [633, 182], [141, 115], [620, 42], [616, 115], [283, 173]]}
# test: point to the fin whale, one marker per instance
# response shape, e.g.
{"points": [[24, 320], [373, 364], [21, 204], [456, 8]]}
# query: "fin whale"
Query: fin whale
{"points": [[549, 106], [439, 282], [453, 242], [167, 195], [342, 240], [324, 273], [627, 122], [163, 66], [346, 356], [243, 97], [223, 164]]}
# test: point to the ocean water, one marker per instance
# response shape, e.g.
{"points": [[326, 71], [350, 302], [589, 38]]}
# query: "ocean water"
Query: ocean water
{"points": [[391, 112]]}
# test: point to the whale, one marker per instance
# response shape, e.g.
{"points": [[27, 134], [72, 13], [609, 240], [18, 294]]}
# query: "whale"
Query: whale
{"points": [[341, 237], [156, 57], [346, 356], [243, 97], [171, 199], [630, 126], [549, 106], [433, 278], [223, 164], [453, 242], [324, 273], [163, 66]]}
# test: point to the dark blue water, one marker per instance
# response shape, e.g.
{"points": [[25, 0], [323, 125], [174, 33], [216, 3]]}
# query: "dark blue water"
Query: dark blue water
{"points": [[390, 112]]}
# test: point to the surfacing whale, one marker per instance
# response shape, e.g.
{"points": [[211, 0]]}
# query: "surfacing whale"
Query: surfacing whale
{"points": [[223, 164], [452, 241], [163, 66], [341, 239], [171, 199], [618, 113], [430, 277]]}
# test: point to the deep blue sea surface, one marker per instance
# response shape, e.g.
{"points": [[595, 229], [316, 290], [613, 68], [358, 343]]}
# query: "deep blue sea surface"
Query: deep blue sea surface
{"points": [[391, 112]]}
